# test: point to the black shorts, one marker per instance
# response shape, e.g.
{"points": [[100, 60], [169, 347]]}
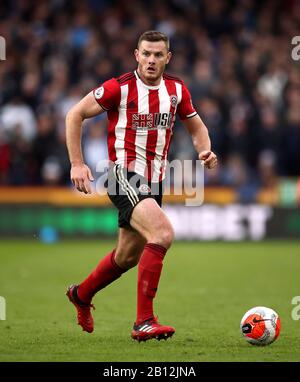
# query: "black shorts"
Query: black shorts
{"points": [[127, 188]]}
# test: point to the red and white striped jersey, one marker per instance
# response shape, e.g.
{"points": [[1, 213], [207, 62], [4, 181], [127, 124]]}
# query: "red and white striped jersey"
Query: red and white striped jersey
{"points": [[141, 120]]}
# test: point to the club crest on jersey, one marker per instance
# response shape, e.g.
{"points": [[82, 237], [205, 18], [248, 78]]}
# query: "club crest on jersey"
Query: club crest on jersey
{"points": [[173, 100], [99, 92], [144, 189]]}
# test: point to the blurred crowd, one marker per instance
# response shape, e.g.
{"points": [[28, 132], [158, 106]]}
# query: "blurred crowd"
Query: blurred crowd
{"points": [[234, 56]]}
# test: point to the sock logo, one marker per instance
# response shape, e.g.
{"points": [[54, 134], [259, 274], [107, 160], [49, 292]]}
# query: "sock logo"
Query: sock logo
{"points": [[2, 308]]}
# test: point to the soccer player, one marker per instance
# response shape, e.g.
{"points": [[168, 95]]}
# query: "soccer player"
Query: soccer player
{"points": [[141, 107]]}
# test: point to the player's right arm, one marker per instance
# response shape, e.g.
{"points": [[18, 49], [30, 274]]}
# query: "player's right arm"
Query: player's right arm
{"points": [[80, 173]]}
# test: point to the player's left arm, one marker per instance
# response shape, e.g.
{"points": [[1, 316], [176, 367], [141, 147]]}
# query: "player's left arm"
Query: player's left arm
{"points": [[196, 128], [201, 140]]}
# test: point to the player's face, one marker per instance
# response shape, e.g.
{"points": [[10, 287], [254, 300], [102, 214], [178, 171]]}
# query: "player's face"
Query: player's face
{"points": [[152, 57]]}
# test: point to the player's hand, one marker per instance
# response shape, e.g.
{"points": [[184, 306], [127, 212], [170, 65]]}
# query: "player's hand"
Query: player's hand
{"points": [[81, 177], [208, 158]]}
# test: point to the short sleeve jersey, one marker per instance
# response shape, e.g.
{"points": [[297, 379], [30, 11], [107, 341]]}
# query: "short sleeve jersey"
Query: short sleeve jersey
{"points": [[141, 120]]}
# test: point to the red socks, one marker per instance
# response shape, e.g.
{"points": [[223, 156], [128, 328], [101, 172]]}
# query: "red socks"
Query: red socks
{"points": [[105, 273], [149, 270]]}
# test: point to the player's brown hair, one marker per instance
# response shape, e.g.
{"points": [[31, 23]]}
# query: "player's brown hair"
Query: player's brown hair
{"points": [[154, 36]]}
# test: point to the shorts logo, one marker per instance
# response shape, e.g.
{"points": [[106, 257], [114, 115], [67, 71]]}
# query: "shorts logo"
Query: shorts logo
{"points": [[144, 189], [173, 100], [99, 92]]}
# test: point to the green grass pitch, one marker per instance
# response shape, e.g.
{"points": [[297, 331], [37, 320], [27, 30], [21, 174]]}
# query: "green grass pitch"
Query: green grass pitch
{"points": [[204, 291]]}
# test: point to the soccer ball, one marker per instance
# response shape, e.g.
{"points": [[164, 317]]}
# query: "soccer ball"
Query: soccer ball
{"points": [[260, 326]]}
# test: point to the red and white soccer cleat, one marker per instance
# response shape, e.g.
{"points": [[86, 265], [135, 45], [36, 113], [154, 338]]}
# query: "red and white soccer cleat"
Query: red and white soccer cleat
{"points": [[84, 316], [151, 329]]}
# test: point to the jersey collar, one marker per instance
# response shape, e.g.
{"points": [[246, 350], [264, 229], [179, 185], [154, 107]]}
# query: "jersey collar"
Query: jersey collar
{"points": [[143, 83]]}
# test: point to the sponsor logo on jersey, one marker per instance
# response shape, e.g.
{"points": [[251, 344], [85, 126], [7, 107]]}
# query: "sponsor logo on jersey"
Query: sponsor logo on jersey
{"points": [[99, 92], [151, 121]]}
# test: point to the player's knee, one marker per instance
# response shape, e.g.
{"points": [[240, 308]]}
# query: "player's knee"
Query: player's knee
{"points": [[167, 238], [164, 236], [127, 261], [130, 262]]}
